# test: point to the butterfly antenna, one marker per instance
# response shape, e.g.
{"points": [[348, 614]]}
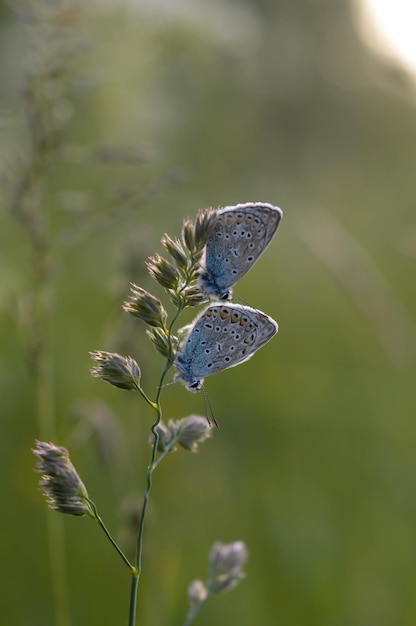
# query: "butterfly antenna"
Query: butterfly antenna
{"points": [[239, 300], [208, 407]]}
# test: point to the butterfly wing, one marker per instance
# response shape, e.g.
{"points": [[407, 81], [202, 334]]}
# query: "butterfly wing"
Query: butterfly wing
{"points": [[240, 235], [221, 337]]}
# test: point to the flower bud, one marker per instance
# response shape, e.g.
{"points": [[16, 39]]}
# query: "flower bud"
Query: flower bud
{"points": [[146, 307], [120, 371], [190, 431], [204, 224], [164, 343], [163, 272], [194, 296], [176, 251], [188, 235], [226, 563], [197, 593], [59, 482]]}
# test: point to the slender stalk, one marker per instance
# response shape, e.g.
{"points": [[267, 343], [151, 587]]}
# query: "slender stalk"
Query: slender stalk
{"points": [[133, 599], [154, 405], [193, 612], [165, 452], [100, 522], [152, 465]]}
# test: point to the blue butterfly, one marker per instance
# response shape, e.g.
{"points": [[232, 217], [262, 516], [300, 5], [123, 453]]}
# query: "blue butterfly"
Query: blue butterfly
{"points": [[239, 236], [222, 336]]}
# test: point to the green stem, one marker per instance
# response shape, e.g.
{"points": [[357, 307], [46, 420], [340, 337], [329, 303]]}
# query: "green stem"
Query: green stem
{"points": [[133, 599], [149, 402], [100, 522], [152, 465], [165, 452], [193, 612]]}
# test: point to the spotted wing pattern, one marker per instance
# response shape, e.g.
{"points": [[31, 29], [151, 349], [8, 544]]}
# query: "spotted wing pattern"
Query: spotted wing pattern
{"points": [[239, 236], [223, 336]]}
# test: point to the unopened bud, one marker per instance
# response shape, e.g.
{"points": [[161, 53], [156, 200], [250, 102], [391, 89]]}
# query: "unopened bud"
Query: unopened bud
{"points": [[166, 344], [59, 482], [204, 224], [188, 235], [190, 431], [120, 371], [194, 296], [146, 307], [163, 272], [197, 593], [226, 563], [176, 251]]}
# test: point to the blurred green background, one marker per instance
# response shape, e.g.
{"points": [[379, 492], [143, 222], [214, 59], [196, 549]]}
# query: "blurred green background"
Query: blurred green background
{"points": [[117, 121]]}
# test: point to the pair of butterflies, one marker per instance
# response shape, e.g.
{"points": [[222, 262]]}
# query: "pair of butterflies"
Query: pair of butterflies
{"points": [[226, 334]]}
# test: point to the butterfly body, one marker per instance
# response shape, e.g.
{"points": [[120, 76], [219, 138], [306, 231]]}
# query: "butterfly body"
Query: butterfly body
{"points": [[239, 236], [222, 336]]}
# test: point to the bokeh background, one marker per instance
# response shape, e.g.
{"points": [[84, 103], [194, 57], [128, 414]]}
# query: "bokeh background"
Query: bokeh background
{"points": [[119, 119]]}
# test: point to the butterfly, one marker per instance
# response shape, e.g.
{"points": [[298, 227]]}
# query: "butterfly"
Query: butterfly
{"points": [[222, 336], [239, 236]]}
